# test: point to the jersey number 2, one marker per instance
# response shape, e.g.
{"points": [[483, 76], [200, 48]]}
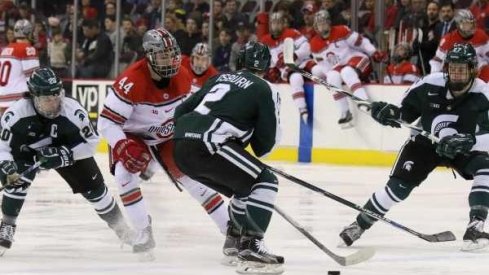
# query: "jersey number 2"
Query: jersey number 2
{"points": [[5, 68], [215, 94]]}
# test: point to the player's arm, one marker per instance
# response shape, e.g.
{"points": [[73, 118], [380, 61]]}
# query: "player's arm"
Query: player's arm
{"points": [[118, 107], [436, 62], [190, 103], [267, 127], [29, 61], [303, 48], [90, 138], [6, 135]]}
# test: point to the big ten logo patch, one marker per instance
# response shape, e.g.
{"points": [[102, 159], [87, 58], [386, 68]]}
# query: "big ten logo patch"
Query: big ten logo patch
{"points": [[88, 96]]}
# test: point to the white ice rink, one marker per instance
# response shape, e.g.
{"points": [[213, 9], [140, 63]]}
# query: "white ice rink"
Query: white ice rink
{"points": [[59, 233]]}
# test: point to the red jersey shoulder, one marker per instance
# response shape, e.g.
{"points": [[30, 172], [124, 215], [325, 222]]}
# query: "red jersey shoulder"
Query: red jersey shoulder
{"points": [[269, 41], [199, 80], [181, 83], [20, 50], [289, 32], [133, 82], [317, 44], [479, 38], [339, 32], [186, 61]]}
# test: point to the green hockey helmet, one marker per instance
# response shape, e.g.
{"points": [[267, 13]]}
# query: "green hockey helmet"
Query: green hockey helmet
{"points": [[460, 68], [46, 90], [254, 56]]}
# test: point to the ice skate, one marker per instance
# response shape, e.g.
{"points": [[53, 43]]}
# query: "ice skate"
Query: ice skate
{"points": [[253, 258], [7, 232], [475, 239], [346, 120], [351, 233], [125, 234], [231, 246], [144, 244]]}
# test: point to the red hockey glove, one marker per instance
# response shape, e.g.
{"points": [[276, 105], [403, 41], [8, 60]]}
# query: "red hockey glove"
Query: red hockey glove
{"points": [[380, 56], [280, 62], [134, 156]]}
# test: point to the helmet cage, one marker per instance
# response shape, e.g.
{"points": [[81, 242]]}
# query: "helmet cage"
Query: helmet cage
{"points": [[162, 52], [200, 59]]}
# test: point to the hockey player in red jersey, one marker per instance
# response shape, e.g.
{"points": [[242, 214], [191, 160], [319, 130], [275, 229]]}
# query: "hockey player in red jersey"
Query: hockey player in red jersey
{"points": [[342, 55], [199, 65], [402, 71], [17, 61], [278, 71], [466, 32], [137, 121]]}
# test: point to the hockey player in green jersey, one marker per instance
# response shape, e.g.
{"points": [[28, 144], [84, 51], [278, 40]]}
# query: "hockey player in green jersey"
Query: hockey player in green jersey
{"points": [[213, 127], [448, 105], [56, 131]]}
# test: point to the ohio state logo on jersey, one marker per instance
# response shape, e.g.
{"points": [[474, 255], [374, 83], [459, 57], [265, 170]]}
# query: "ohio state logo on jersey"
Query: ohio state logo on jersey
{"points": [[165, 130]]}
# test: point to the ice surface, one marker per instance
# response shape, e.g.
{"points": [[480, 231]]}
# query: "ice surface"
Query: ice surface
{"points": [[59, 233]]}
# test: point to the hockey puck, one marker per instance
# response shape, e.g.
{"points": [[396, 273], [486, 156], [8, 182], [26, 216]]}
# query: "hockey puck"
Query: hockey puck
{"points": [[333, 273]]}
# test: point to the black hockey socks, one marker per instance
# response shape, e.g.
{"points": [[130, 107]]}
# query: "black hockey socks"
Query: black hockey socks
{"points": [[381, 201], [479, 195], [12, 203]]}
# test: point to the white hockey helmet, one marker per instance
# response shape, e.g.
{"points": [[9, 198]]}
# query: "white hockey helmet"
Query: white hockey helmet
{"points": [[200, 59], [22, 29], [162, 52], [277, 24], [465, 21], [322, 23]]}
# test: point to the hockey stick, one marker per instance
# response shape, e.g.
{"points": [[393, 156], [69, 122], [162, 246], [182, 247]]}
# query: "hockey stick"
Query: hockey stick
{"points": [[355, 258], [33, 167], [289, 61], [438, 237]]}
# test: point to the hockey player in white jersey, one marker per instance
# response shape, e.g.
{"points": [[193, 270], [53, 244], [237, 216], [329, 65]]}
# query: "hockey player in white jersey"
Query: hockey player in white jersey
{"points": [[342, 56], [56, 131], [17, 61], [137, 120]]}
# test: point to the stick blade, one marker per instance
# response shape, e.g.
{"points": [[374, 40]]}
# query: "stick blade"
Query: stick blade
{"points": [[289, 51], [446, 236], [361, 255]]}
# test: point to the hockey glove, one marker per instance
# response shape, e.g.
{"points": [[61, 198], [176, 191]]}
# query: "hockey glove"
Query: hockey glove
{"points": [[380, 56], [450, 146], [55, 157], [385, 113], [133, 156], [9, 176]]}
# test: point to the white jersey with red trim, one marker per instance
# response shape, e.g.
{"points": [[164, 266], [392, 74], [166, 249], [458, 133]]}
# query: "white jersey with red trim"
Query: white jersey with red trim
{"points": [[276, 46], [139, 107], [341, 45], [17, 61]]}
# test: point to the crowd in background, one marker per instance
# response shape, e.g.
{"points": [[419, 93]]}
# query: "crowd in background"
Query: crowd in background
{"points": [[235, 22]]}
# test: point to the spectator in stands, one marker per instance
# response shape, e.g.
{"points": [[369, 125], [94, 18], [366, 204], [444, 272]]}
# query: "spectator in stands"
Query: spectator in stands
{"points": [[391, 10], [480, 10], [131, 44], [243, 34], [308, 12], [426, 49], [447, 19], [53, 23], [218, 10], [366, 23], [190, 37], [9, 35], [222, 51], [110, 28], [233, 17], [153, 14], [173, 25], [58, 51], [196, 5], [414, 18], [95, 56], [142, 25], [205, 32], [40, 42], [401, 71], [24, 11], [336, 9], [88, 12], [110, 9]]}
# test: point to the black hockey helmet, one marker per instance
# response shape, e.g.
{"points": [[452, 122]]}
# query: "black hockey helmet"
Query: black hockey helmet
{"points": [[460, 68], [47, 92], [254, 56]]}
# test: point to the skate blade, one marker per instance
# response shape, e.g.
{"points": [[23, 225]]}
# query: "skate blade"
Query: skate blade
{"points": [[147, 256], [479, 246], [347, 125], [2, 250], [249, 267], [229, 261]]}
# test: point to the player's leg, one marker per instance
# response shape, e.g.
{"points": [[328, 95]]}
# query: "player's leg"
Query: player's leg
{"points": [[350, 74], [415, 161], [233, 167], [477, 166], [12, 202], [334, 78], [210, 200], [84, 177], [296, 81]]}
